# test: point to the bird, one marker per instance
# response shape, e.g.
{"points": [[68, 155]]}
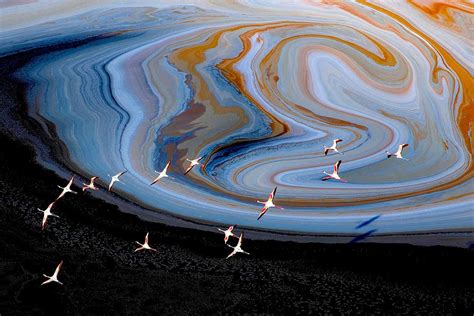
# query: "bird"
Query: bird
{"points": [[333, 147], [145, 245], [46, 213], [194, 162], [54, 277], [334, 174], [237, 247], [91, 185], [115, 179], [66, 189], [162, 174], [268, 204], [227, 233], [398, 154]]}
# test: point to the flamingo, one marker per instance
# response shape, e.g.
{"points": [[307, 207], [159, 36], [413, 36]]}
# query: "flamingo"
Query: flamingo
{"points": [[268, 204], [54, 277], [237, 248], [162, 174], [333, 147], [145, 245], [334, 174], [66, 189], [194, 162], [398, 154], [91, 185], [115, 179], [227, 233], [46, 213]]}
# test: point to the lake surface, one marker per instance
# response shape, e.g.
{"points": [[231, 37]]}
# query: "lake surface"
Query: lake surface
{"points": [[258, 90]]}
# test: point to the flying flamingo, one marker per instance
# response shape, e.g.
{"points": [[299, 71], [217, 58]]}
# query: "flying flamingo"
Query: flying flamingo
{"points": [[91, 185], [194, 162], [334, 174], [162, 174], [66, 189], [333, 147], [268, 204], [115, 179], [227, 233], [46, 213], [54, 277], [145, 245], [398, 154], [237, 247]]}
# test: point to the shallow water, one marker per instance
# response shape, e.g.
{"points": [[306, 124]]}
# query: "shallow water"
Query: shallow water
{"points": [[257, 90]]}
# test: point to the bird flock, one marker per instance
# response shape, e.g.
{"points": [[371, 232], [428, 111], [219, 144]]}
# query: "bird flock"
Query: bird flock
{"points": [[229, 232]]}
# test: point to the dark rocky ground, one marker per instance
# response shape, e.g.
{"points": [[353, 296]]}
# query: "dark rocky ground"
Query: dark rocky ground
{"points": [[189, 274]]}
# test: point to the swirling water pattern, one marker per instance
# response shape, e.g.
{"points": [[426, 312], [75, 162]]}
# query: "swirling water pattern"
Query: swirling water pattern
{"points": [[258, 89]]}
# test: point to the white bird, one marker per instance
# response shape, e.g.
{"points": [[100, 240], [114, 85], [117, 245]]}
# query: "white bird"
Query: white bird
{"points": [[144, 245], [66, 189], [162, 174], [334, 174], [268, 204], [237, 248], [54, 277], [194, 162], [398, 154], [227, 233], [115, 179], [91, 185], [333, 147], [46, 213]]}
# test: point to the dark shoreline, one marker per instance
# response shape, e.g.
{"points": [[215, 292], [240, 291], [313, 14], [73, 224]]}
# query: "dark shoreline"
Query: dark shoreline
{"points": [[190, 274]]}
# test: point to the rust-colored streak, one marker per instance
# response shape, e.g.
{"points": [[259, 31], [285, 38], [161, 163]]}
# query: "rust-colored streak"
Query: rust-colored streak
{"points": [[189, 57], [440, 10], [227, 68], [465, 117], [269, 64]]}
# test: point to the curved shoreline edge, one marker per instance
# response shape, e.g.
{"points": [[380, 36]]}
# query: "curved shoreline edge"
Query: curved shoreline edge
{"points": [[16, 122], [54, 155]]}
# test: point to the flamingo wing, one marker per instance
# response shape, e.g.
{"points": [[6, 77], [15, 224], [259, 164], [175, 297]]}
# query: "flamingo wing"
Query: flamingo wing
{"points": [[272, 195], [118, 175], [402, 146], [155, 181], [241, 238], [262, 212], [189, 169], [336, 165], [58, 268], [232, 253], [45, 219]]}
